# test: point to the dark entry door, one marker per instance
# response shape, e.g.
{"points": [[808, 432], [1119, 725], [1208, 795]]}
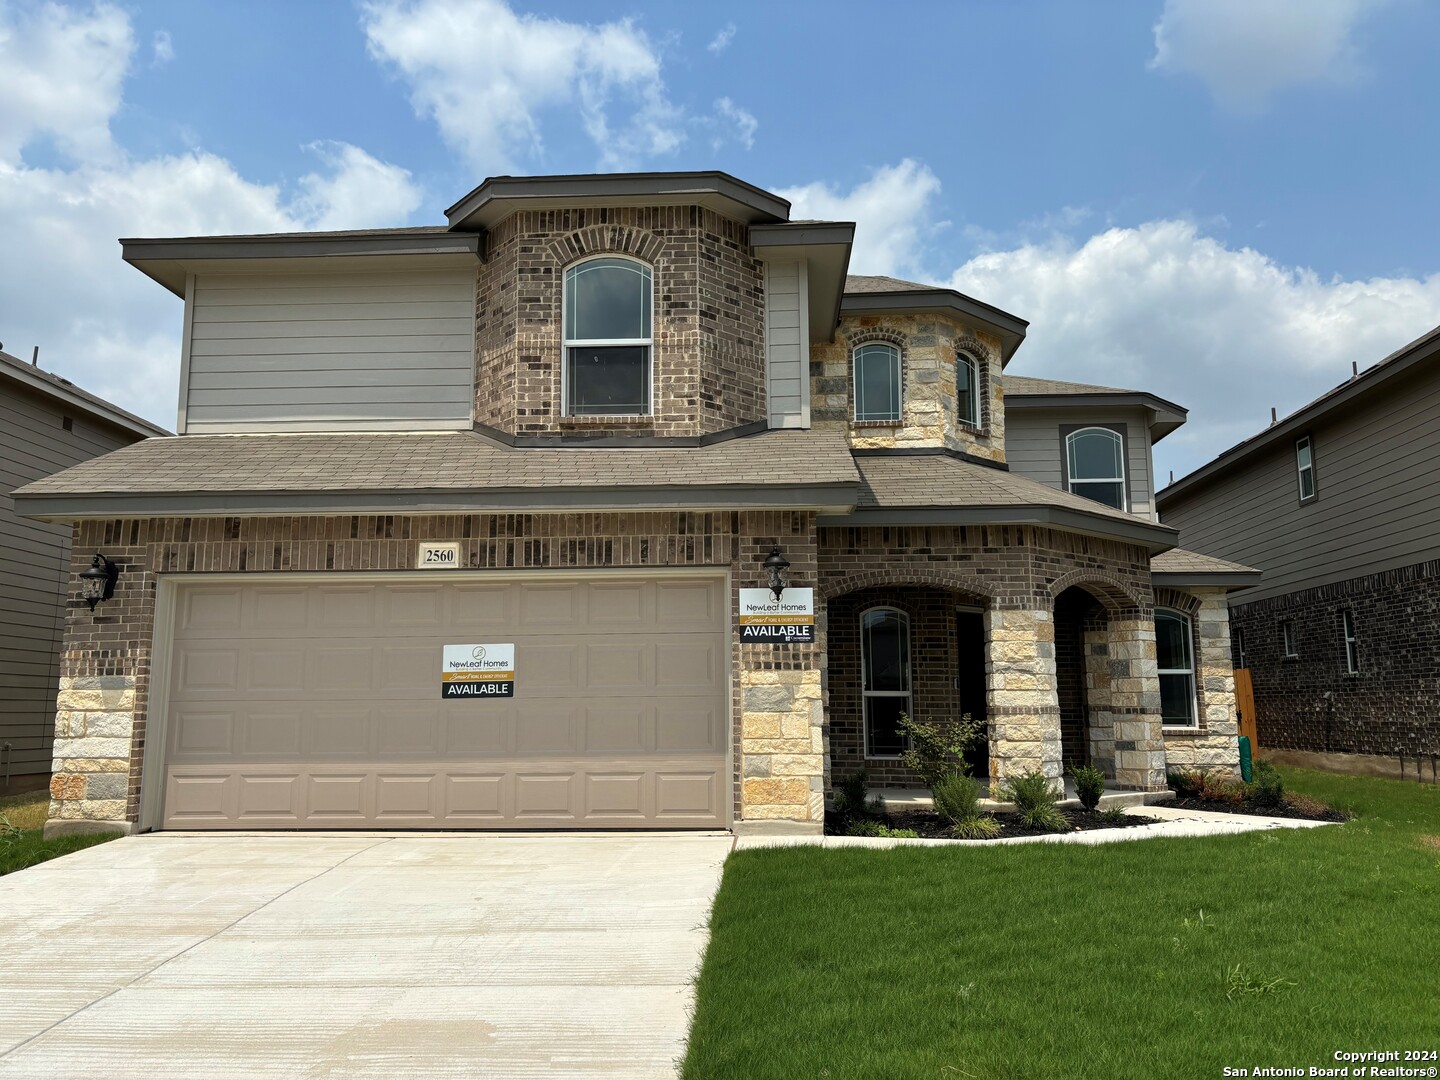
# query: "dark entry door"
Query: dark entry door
{"points": [[970, 681]]}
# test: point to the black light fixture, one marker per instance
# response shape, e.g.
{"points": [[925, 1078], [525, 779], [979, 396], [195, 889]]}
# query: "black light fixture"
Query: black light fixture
{"points": [[98, 583], [776, 566]]}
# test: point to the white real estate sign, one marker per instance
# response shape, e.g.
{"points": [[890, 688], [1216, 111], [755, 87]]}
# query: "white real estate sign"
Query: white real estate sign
{"points": [[792, 618], [477, 671]]}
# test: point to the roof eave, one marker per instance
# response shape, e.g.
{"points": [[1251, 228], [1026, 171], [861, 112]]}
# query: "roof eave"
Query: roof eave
{"points": [[1165, 416], [1010, 329], [1229, 580], [43, 383], [1155, 538], [825, 248]]}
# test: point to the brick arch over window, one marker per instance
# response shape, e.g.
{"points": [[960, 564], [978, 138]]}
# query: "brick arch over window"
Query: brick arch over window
{"points": [[1117, 597], [1177, 601], [903, 576], [874, 335], [606, 240], [982, 358]]}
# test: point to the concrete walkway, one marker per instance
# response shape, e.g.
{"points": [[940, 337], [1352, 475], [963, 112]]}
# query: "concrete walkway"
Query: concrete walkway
{"points": [[1172, 822], [328, 956]]}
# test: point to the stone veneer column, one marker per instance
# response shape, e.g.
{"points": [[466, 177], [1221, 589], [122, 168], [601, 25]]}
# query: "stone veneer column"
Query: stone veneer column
{"points": [[782, 746], [94, 722], [1135, 704], [1023, 701], [1100, 720]]}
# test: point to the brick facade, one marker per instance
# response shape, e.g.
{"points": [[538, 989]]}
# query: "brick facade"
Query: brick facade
{"points": [[708, 363], [1311, 702]]}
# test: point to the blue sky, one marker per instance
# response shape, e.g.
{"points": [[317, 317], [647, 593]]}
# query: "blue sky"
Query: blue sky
{"points": [[1223, 201]]}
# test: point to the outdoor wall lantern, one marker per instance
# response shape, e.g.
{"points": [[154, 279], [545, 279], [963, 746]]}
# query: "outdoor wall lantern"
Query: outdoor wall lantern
{"points": [[776, 566], [98, 583]]}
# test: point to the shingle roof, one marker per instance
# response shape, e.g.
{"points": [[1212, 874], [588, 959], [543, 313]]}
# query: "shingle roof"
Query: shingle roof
{"points": [[1180, 561], [455, 462], [878, 283], [1024, 385], [54, 386]]}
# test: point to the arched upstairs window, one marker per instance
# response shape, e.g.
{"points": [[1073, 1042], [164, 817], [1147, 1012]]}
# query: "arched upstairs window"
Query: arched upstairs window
{"points": [[967, 391], [1175, 657], [608, 337], [877, 382], [885, 679], [1095, 465]]}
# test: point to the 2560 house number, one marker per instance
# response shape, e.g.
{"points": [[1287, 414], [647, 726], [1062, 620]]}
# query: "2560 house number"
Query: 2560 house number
{"points": [[438, 556]]}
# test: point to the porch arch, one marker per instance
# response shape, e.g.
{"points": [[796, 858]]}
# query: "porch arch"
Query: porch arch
{"points": [[901, 576], [1116, 597]]}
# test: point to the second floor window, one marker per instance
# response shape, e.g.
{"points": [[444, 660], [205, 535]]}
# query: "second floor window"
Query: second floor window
{"points": [[1305, 468], [608, 338], [967, 392], [877, 382], [1095, 459]]}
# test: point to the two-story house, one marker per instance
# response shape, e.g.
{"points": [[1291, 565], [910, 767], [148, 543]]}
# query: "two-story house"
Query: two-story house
{"points": [[1339, 504], [483, 525]]}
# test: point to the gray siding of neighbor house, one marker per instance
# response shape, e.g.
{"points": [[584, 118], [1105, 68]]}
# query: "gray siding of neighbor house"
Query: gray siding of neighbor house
{"points": [[1377, 505], [1035, 447], [787, 345], [34, 567], [371, 350]]}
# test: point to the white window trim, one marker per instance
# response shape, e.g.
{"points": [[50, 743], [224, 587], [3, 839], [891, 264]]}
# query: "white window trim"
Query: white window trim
{"points": [[1289, 642], [1301, 470], [1071, 480], [566, 343], [899, 382], [966, 360], [865, 694], [1351, 642], [1184, 619]]}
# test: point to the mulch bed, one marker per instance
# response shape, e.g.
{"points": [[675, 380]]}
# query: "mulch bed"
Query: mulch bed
{"points": [[1285, 810], [929, 824]]}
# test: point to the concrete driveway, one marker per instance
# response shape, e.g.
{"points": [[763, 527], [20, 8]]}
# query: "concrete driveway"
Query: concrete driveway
{"points": [[332, 955]]}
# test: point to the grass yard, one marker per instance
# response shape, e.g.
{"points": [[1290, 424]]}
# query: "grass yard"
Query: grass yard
{"points": [[1157, 958], [22, 844]]}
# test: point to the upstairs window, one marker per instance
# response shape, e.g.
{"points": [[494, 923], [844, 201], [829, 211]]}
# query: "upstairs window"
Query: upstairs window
{"points": [[877, 382], [1095, 458], [608, 338], [1305, 468], [885, 682], [967, 391], [1175, 653]]}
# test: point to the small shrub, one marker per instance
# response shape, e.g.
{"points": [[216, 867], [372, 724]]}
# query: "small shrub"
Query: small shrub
{"points": [[1186, 783], [1089, 785], [1217, 787], [849, 798], [1267, 789], [979, 827], [1113, 816], [880, 829], [937, 748], [957, 798], [1034, 801]]}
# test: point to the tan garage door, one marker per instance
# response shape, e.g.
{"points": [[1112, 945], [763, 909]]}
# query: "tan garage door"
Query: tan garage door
{"points": [[318, 705]]}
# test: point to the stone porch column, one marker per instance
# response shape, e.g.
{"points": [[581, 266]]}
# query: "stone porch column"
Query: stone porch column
{"points": [[1100, 720], [782, 746], [1135, 704], [1023, 700]]}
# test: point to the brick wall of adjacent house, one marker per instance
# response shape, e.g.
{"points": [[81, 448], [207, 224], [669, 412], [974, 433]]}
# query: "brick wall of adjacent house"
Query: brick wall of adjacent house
{"points": [[928, 347], [1310, 702], [708, 357], [106, 661]]}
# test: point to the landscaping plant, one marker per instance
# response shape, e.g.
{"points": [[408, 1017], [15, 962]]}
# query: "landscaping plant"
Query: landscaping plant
{"points": [[879, 828], [1089, 785], [1268, 788], [937, 748], [1034, 801], [957, 799], [850, 800]]}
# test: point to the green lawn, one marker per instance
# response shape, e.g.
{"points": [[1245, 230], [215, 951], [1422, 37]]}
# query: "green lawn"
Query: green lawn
{"points": [[1075, 961], [22, 845]]}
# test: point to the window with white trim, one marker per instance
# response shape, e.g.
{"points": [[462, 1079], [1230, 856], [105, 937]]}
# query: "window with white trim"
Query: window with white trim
{"points": [[885, 679], [1287, 638], [608, 337], [1352, 643], [967, 391], [1095, 459], [1305, 467], [1175, 654], [877, 381]]}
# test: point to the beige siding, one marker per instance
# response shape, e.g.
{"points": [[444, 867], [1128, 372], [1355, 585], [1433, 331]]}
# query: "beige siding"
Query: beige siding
{"points": [[787, 346], [1034, 447], [34, 558], [313, 352], [1377, 468]]}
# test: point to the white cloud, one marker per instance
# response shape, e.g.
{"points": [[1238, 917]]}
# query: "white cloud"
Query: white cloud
{"points": [[721, 41], [1226, 332], [741, 123], [893, 212], [1246, 50], [487, 75], [162, 48], [99, 322]]}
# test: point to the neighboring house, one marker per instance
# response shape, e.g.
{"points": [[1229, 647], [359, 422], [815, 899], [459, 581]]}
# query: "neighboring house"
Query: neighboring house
{"points": [[46, 424], [1339, 505], [568, 438]]}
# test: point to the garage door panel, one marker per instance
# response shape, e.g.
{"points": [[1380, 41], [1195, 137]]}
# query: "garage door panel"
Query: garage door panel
{"points": [[318, 705]]}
